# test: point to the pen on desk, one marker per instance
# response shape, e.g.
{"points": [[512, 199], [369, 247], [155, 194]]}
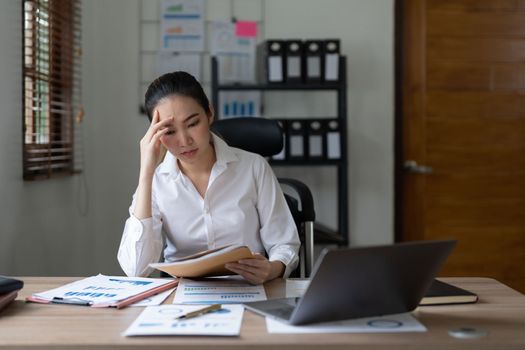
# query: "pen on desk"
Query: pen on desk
{"points": [[70, 301], [199, 312]]}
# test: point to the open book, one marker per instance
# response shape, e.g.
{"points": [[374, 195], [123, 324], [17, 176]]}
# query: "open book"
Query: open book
{"points": [[207, 263]]}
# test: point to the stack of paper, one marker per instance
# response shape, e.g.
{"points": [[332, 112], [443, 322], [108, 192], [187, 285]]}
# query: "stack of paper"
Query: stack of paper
{"points": [[104, 291]]}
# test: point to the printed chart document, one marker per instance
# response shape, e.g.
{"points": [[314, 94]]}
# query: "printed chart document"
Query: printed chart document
{"points": [[154, 299], [161, 320], [398, 323], [104, 291], [230, 290], [235, 53], [182, 25]]}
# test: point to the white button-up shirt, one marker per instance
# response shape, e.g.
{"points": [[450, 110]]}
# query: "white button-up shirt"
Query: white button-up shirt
{"points": [[243, 205]]}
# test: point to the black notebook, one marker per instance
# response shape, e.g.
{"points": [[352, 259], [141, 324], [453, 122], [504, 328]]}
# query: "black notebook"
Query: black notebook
{"points": [[9, 288], [441, 293], [8, 284]]}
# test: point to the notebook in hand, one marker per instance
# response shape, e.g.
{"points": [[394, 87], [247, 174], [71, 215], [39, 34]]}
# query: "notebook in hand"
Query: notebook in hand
{"points": [[441, 293], [205, 263], [362, 282]]}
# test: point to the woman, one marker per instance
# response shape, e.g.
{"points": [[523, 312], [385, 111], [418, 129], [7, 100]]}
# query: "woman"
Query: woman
{"points": [[204, 194]]}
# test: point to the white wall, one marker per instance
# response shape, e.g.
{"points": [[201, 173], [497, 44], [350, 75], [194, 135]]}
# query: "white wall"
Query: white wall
{"points": [[42, 228]]}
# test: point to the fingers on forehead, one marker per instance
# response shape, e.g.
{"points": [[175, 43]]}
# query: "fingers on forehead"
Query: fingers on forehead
{"points": [[162, 121], [165, 116]]}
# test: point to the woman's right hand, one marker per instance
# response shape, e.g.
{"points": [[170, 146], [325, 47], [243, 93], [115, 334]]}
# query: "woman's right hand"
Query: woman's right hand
{"points": [[151, 150]]}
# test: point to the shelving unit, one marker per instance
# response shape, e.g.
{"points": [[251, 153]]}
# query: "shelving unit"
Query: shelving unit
{"points": [[323, 234]]}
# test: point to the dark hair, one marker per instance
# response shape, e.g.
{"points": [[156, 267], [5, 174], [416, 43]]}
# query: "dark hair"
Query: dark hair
{"points": [[176, 83]]}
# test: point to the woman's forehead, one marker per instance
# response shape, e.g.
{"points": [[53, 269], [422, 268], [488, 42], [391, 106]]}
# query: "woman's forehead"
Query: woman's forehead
{"points": [[177, 106]]}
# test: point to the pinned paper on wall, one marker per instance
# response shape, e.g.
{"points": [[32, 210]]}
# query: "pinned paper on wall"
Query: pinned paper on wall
{"points": [[246, 29], [182, 25], [235, 54], [168, 62]]}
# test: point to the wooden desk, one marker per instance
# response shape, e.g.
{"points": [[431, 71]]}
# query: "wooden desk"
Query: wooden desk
{"points": [[501, 311]]}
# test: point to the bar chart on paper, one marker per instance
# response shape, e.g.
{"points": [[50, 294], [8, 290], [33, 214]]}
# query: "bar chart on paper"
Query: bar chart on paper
{"points": [[217, 290], [162, 320], [240, 104]]}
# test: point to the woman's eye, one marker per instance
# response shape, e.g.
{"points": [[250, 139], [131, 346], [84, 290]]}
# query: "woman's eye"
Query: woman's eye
{"points": [[192, 124], [171, 132]]}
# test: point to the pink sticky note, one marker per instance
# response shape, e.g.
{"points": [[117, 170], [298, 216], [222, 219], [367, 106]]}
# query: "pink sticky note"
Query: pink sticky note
{"points": [[246, 29]]}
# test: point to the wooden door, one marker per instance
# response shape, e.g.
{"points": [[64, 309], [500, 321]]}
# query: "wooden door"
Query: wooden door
{"points": [[460, 110]]}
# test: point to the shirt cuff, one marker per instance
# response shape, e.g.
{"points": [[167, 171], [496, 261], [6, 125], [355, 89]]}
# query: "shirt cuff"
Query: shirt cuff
{"points": [[136, 247], [288, 258]]}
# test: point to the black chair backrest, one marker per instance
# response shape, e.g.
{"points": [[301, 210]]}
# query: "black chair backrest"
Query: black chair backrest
{"points": [[252, 134]]}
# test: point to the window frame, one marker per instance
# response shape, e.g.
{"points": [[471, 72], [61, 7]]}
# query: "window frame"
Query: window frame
{"points": [[50, 62]]}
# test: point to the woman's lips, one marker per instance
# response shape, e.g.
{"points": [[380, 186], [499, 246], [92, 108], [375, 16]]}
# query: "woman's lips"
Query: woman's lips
{"points": [[189, 154]]}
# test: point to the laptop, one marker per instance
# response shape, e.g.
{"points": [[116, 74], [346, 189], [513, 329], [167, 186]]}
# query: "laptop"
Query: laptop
{"points": [[362, 282]]}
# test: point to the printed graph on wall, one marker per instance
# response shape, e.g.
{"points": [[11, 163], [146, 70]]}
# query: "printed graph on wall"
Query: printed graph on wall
{"points": [[182, 25]]}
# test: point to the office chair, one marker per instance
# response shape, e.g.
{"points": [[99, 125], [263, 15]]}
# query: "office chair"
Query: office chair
{"points": [[265, 137]]}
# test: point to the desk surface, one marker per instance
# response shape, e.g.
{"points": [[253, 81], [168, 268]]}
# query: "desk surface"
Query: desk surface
{"points": [[500, 311]]}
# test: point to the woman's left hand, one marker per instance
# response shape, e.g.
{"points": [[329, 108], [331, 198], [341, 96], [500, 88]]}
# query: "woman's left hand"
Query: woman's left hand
{"points": [[257, 270]]}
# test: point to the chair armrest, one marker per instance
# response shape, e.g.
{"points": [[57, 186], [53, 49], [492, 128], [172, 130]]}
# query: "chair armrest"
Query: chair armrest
{"points": [[307, 211]]}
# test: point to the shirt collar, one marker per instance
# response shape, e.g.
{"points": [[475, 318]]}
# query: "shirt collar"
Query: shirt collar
{"points": [[224, 154]]}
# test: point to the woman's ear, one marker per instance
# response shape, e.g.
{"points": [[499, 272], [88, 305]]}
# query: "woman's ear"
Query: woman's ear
{"points": [[211, 115]]}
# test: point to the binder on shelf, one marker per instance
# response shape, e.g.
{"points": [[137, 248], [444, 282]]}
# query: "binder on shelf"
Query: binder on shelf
{"points": [[333, 140], [294, 57], [331, 49], [282, 155], [274, 56], [316, 147], [313, 54], [296, 144]]}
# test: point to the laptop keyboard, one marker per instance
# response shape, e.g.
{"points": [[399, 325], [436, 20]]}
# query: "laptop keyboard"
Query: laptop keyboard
{"points": [[286, 308], [284, 312]]}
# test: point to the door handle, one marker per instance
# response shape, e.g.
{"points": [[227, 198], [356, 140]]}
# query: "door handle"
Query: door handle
{"points": [[412, 167]]}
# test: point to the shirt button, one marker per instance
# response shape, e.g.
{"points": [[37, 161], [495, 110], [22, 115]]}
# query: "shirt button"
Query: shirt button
{"points": [[206, 210]]}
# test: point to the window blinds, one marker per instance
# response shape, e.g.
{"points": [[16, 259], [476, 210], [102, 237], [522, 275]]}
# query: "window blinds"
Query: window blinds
{"points": [[51, 70]]}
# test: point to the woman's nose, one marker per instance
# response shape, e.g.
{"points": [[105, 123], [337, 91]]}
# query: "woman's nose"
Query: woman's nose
{"points": [[185, 138]]}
